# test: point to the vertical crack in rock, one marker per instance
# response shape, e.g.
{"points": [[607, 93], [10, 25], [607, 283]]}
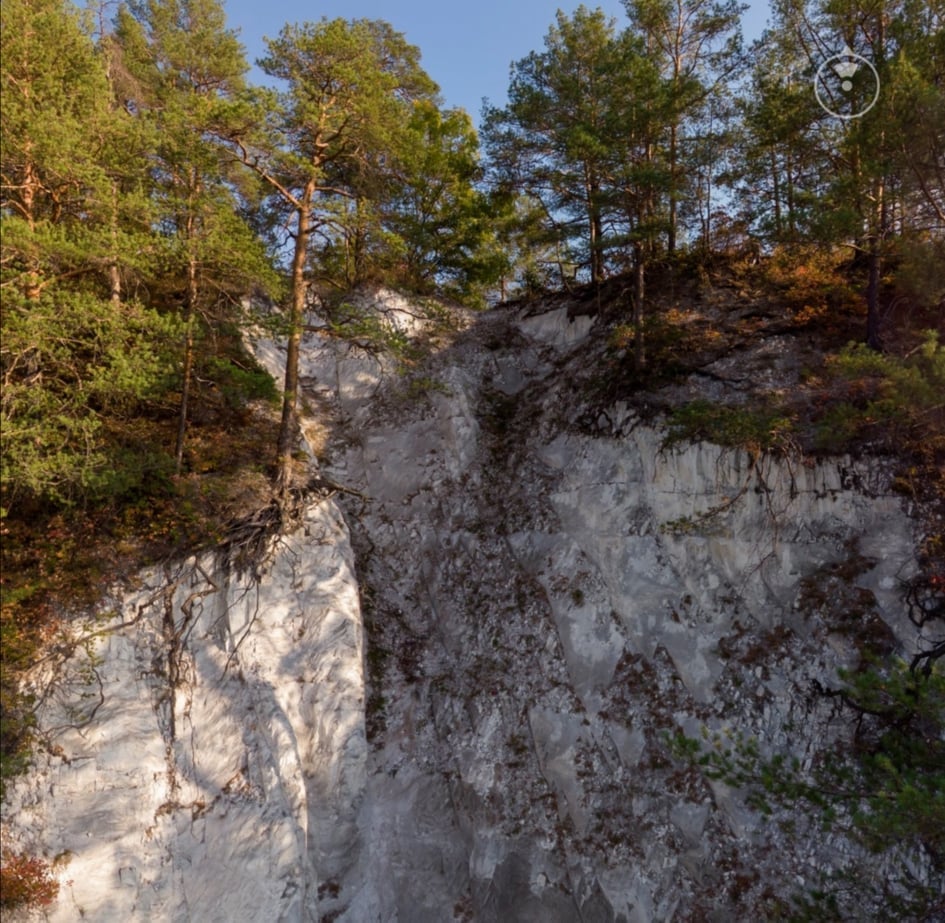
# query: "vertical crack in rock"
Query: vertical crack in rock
{"points": [[549, 599]]}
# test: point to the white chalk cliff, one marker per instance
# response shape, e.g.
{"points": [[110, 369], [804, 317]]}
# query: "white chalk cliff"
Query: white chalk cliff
{"points": [[444, 695]]}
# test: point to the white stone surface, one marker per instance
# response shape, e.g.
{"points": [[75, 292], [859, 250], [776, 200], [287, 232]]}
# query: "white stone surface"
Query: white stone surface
{"points": [[545, 601], [232, 793]]}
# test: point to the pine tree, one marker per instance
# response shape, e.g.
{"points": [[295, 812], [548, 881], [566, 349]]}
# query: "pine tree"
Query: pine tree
{"points": [[550, 142], [76, 355], [873, 183], [784, 150], [696, 46], [441, 220], [638, 175], [581, 139], [349, 90], [183, 68]]}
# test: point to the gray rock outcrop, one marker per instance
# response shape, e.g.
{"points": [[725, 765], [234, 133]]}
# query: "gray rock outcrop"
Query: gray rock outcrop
{"points": [[470, 722]]}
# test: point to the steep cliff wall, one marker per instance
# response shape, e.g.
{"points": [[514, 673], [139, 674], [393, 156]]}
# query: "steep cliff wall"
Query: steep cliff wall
{"points": [[208, 744], [546, 593]]}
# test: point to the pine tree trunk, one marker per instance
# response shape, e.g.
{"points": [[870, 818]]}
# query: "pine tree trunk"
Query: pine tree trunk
{"points": [[288, 426], [30, 187], [873, 335], [187, 372], [874, 338], [776, 191], [791, 207], [639, 348], [879, 220], [114, 272], [595, 228], [190, 312], [673, 193]]}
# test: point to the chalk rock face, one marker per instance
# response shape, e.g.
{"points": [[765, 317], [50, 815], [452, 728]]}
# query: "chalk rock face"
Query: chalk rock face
{"points": [[211, 748], [546, 592], [549, 596]]}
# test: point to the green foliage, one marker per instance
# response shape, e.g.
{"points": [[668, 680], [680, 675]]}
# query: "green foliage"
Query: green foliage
{"points": [[71, 363], [55, 101], [16, 719], [370, 331], [756, 429], [694, 46], [885, 789], [26, 882], [895, 400], [421, 386], [240, 382], [615, 134], [920, 272], [393, 196], [575, 141], [902, 760]]}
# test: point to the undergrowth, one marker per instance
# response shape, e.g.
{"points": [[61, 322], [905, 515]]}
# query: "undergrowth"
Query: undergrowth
{"points": [[754, 428], [882, 788], [26, 881], [892, 401]]}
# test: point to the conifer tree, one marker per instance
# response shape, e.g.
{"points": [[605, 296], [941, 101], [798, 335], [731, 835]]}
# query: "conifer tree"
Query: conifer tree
{"points": [[441, 220], [550, 141], [696, 46], [349, 90], [76, 354], [874, 181], [581, 137], [783, 148], [183, 68]]}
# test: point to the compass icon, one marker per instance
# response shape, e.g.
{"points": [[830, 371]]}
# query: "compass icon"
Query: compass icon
{"points": [[846, 85]]}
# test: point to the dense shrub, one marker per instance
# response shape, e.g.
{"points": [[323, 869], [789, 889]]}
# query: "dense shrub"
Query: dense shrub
{"points": [[26, 881], [899, 401], [755, 428]]}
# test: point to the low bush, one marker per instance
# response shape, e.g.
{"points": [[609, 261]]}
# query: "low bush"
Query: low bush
{"points": [[892, 400], [755, 429], [812, 284], [26, 881]]}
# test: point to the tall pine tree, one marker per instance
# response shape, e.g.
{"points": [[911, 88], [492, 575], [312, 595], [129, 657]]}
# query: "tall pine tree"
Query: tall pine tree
{"points": [[77, 355], [348, 93], [183, 70]]}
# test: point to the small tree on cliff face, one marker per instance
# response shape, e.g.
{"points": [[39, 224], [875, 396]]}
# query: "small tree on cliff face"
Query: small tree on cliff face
{"points": [[349, 90], [884, 791]]}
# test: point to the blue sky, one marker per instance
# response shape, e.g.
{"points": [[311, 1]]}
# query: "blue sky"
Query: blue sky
{"points": [[467, 46]]}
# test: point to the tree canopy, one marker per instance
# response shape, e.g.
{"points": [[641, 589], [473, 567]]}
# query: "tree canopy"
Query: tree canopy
{"points": [[148, 185]]}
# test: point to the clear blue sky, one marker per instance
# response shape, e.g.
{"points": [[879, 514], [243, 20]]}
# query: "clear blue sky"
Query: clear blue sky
{"points": [[467, 46]]}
